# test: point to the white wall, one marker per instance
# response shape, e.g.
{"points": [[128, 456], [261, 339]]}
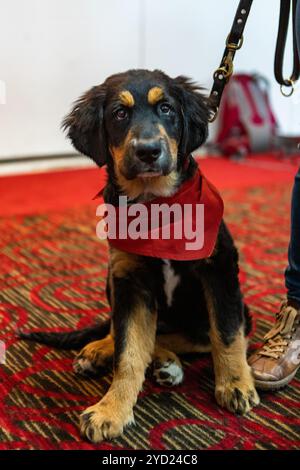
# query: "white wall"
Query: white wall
{"points": [[50, 52], [53, 50]]}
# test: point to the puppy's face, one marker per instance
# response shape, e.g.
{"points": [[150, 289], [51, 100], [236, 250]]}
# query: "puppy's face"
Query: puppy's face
{"points": [[143, 125]]}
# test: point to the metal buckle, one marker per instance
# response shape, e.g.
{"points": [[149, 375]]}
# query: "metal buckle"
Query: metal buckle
{"points": [[232, 46]]}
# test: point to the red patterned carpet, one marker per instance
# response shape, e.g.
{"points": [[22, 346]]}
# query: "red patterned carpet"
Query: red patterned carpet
{"points": [[52, 276]]}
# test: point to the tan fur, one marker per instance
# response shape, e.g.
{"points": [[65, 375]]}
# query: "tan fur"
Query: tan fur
{"points": [[166, 348], [163, 355], [156, 186], [107, 418], [232, 372], [122, 263], [118, 153], [155, 94], [126, 98], [179, 344], [98, 353], [172, 142]]}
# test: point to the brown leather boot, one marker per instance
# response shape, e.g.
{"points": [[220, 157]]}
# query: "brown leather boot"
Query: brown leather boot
{"points": [[277, 361]]}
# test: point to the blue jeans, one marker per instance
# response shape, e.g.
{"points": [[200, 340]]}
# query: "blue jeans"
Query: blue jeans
{"points": [[292, 273]]}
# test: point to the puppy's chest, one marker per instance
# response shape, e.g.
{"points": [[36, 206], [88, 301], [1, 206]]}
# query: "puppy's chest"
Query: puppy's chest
{"points": [[171, 280]]}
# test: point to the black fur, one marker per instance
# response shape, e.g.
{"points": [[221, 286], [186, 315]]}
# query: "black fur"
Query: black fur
{"points": [[85, 127], [84, 124], [70, 340], [92, 130]]}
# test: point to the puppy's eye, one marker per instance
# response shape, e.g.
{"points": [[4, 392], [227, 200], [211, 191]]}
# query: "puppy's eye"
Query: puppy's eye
{"points": [[120, 114], [165, 108]]}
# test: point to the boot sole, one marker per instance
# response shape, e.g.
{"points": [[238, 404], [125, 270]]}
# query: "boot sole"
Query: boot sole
{"points": [[272, 385]]}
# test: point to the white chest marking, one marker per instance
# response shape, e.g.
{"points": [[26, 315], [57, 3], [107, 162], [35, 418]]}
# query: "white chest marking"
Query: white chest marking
{"points": [[171, 281]]}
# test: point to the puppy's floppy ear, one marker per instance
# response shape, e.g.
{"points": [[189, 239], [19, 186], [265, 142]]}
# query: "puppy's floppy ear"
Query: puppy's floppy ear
{"points": [[195, 114], [84, 124]]}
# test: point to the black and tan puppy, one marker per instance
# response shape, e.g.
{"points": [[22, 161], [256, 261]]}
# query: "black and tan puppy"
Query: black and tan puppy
{"points": [[144, 125]]}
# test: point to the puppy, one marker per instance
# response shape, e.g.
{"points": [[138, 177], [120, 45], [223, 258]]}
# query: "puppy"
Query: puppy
{"points": [[143, 126]]}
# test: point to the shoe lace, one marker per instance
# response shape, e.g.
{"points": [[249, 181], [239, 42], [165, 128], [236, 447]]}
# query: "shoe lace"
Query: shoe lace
{"points": [[278, 338]]}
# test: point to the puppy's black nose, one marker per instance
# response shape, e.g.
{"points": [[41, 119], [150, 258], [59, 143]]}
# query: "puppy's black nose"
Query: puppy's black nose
{"points": [[148, 151]]}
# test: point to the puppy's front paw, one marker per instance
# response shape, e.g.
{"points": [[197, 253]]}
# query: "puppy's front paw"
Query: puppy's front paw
{"points": [[237, 396], [100, 422]]}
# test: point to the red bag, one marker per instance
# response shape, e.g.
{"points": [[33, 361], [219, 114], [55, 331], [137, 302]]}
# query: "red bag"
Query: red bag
{"points": [[246, 122]]}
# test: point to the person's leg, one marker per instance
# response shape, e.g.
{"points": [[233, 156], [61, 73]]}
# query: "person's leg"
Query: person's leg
{"points": [[292, 274], [277, 361]]}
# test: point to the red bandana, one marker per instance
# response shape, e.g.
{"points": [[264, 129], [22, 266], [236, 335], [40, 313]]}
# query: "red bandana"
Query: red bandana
{"points": [[152, 242]]}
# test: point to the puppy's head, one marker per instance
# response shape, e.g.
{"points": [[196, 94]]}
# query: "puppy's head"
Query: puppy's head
{"points": [[143, 125]]}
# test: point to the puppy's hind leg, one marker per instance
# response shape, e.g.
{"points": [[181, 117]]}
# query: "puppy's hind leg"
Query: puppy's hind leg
{"points": [[94, 357], [167, 367]]}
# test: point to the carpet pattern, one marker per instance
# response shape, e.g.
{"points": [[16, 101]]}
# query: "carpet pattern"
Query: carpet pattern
{"points": [[52, 276]]}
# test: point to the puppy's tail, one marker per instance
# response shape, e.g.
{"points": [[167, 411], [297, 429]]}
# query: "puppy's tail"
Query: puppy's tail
{"points": [[71, 340]]}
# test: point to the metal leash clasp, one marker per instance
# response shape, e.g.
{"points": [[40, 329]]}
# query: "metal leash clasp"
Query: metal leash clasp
{"points": [[290, 84], [226, 69], [223, 72], [213, 114]]}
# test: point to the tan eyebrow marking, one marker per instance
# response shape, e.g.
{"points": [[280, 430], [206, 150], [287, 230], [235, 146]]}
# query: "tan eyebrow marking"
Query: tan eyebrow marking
{"points": [[126, 98], [155, 94]]}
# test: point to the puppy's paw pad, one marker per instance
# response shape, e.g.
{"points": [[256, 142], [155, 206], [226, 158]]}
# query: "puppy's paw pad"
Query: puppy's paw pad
{"points": [[97, 423], [168, 373]]}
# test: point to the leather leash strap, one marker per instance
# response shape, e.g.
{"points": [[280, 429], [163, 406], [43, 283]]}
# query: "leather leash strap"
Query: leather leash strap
{"points": [[283, 26], [234, 42]]}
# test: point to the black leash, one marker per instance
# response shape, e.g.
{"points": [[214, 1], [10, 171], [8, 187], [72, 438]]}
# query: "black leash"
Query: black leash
{"points": [[283, 26], [234, 42]]}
